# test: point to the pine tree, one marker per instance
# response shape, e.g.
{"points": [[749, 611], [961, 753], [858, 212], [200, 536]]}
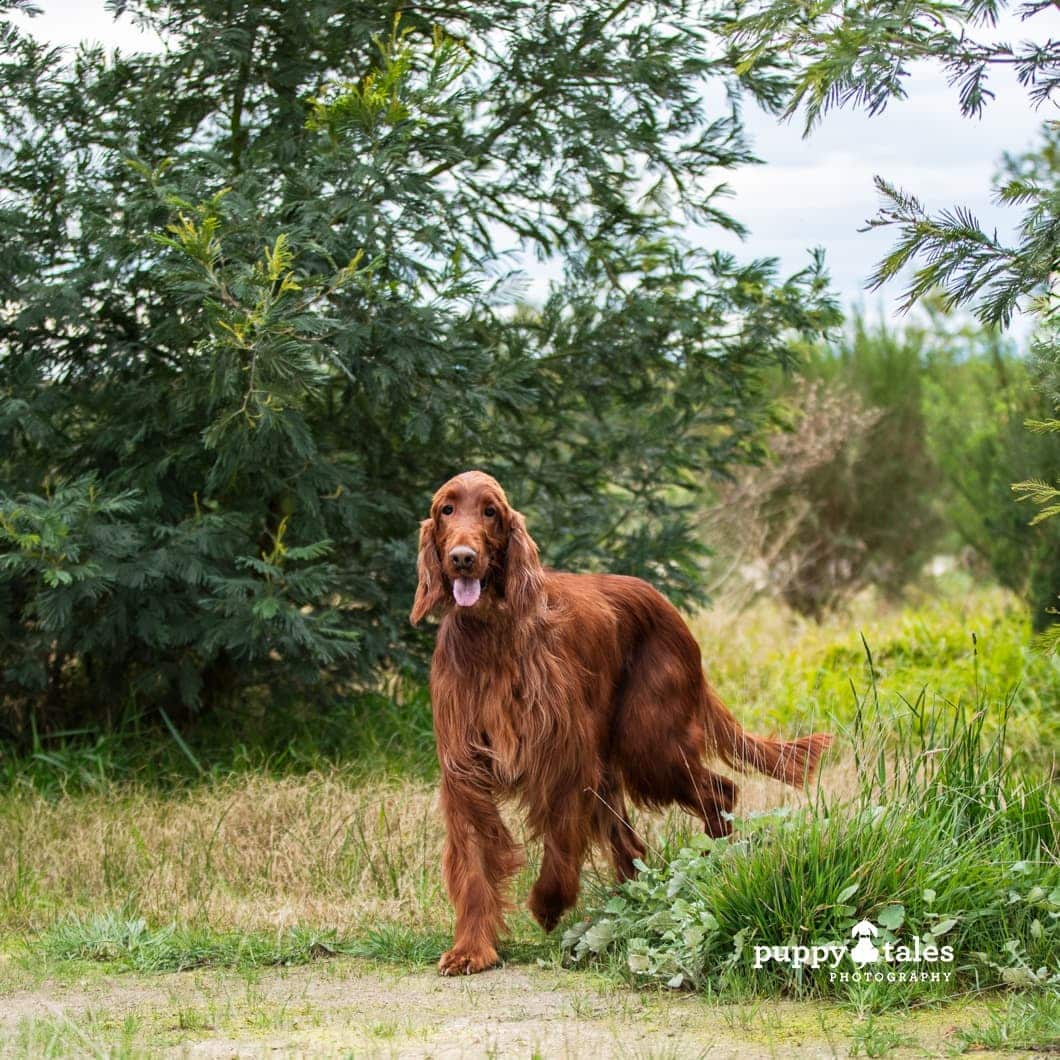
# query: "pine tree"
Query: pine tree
{"points": [[260, 299]]}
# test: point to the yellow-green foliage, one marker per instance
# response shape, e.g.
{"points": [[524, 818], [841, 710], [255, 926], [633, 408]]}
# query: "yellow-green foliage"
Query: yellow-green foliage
{"points": [[780, 671]]}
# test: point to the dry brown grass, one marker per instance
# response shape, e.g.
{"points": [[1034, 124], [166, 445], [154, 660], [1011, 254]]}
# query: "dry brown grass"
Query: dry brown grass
{"points": [[250, 852], [256, 853]]}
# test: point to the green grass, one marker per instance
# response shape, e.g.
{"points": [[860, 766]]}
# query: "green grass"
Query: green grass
{"points": [[130, 944], [871, 1037], [121, 943], [368, 734], [92, 1035], [960, 642]]}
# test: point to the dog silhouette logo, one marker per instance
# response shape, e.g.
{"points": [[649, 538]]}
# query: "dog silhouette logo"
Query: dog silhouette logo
{"points": [[864, 952]]}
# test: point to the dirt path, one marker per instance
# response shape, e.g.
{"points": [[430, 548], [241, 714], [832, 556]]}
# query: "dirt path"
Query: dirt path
{"points": [[349, 1008]]}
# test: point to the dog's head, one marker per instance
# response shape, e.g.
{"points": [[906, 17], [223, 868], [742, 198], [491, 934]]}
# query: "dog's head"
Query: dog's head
{"points": [[475, 550]]}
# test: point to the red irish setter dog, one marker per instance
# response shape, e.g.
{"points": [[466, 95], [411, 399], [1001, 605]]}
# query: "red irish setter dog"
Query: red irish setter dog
{"points": [[569, 692]]}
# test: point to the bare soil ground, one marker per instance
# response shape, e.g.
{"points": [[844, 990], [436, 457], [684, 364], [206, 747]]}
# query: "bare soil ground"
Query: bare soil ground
{"points": [[353, 1008]]}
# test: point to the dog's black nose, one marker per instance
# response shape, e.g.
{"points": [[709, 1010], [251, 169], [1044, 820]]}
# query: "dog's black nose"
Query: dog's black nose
{"points": [[462, 557]]}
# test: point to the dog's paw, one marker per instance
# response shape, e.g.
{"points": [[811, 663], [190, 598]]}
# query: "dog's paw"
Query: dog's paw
{"points": [[546, 909], [466, 960]]}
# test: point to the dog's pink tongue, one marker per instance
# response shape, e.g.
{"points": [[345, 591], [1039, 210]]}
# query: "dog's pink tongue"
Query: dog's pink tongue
{"points": [[466, 591]]}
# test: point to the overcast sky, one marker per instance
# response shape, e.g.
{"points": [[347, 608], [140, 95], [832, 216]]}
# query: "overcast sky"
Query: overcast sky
{"points": [[815, 191]]}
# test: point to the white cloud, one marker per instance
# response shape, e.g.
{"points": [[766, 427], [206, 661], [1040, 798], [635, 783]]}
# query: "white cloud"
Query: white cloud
{"points": [[69, 22]]}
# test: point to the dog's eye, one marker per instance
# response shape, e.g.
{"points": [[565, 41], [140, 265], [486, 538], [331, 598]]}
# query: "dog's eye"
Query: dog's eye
{"points": [[447, 509], [490, 511]]}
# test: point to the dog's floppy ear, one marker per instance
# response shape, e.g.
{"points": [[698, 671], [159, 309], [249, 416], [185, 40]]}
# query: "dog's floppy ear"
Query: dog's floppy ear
{"points": [[430, 592], [523, 573]]}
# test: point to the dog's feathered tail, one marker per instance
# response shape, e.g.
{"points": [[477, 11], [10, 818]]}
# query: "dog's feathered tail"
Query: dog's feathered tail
{"points": [[792, 761]]}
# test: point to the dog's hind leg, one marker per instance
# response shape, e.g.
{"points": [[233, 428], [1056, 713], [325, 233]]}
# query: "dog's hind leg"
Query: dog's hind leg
{"points": [[616, 832], [566, 840], [706, 794], [660, 736]]}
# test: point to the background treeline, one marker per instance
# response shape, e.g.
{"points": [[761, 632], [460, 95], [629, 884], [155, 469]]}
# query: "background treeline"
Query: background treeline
{"points": [[897, 452]]}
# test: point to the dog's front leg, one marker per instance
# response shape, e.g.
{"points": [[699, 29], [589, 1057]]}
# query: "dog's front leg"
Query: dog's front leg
{"points": [[480, 857]]}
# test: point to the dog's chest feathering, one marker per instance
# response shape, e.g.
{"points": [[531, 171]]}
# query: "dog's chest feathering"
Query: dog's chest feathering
{"points": [[512, 725], [523, 712]]}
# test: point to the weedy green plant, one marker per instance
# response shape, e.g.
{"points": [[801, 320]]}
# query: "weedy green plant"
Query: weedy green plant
{"points": [[130, 943], [1022, 1022], [943, 841], [871, 1038]]}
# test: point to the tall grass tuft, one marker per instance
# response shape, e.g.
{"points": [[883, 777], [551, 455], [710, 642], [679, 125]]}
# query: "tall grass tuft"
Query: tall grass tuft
{"points": [[942, 840]]}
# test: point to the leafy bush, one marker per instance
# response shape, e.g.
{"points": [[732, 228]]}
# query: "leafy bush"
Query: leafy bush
{"points": [[260, 300], [944, 841]]}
